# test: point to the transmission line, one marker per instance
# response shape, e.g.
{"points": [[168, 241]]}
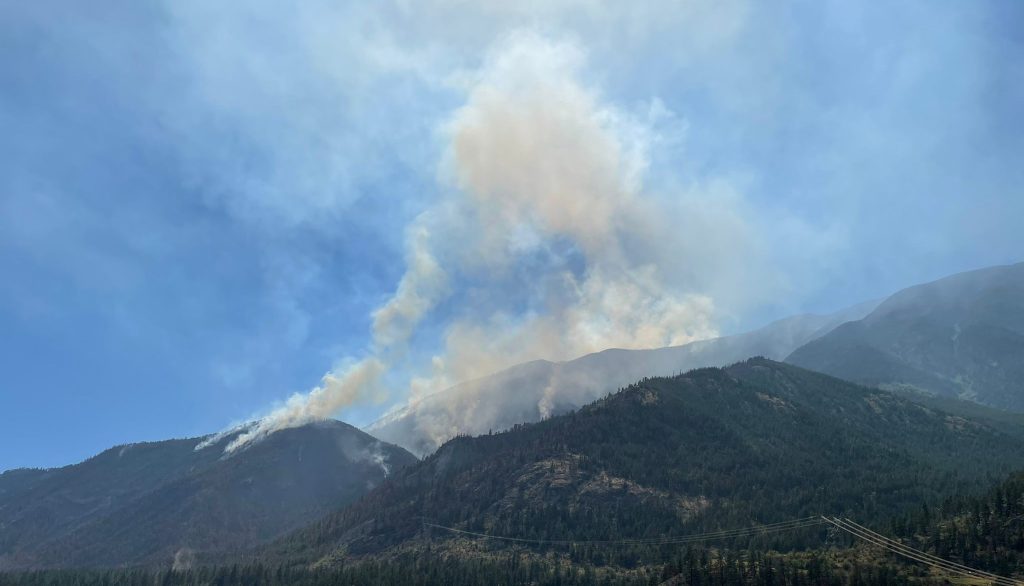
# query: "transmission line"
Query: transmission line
{"points": [[670, 540], [917, 555], [844, 524]]}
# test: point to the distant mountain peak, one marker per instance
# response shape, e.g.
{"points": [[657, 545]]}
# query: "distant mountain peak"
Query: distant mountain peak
{"points": [[961, 336]]}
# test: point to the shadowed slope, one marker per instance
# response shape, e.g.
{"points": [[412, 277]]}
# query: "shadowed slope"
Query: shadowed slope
{"points": [[147, 503], [962, 336], [710, 449]]}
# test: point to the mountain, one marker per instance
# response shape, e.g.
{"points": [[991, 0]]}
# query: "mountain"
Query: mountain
{"points": [[159, 502], [962, 336], [37, 505], [535, 390], [17, 481], [711, 449]]}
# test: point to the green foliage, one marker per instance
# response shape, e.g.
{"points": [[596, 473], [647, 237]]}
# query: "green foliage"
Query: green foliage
{"points": [[143, 503], [712, 449], [985, 532], [688, 566]]}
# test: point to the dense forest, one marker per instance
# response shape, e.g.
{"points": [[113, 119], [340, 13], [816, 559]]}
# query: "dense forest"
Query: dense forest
{"points": [[708, 450], [698, 567], [980, 531]]}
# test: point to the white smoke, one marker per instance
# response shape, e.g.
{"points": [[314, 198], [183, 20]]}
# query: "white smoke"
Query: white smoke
{"points": [[336, 391], [538, 161], [547, 241], [423, 284], [184, 559]]}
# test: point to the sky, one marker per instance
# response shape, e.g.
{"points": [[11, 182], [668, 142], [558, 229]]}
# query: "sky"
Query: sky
{"points": [[211, 212]]}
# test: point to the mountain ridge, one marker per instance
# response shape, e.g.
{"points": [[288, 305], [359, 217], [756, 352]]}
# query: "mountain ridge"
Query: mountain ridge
{"points": [[145, 503], [533, 390], [710, 449], [961, 336]]}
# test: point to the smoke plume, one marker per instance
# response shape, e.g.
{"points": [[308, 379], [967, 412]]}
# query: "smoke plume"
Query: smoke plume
{"points": [[547, 244]]}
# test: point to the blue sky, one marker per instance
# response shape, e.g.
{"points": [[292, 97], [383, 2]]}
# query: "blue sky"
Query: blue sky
{"points": [[202, 207]]}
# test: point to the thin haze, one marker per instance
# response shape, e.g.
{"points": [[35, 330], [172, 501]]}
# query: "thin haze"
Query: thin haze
{"points": [[208, 206]]}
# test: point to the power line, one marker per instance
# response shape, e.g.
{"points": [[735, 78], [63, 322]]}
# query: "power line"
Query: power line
{"points": [[923, 557], [906, 551], [670, 540], [858, 531], [904, 547]]}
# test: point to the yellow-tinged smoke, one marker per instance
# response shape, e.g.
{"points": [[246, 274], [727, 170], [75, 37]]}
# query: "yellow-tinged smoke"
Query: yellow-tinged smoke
{"points": [[538, 163]]}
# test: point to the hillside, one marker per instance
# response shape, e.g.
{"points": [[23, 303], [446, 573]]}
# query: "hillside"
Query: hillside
{"points": [[534, 390], [38, 505], [714, 448], [984, 531], [962, 336], [153, 502]]}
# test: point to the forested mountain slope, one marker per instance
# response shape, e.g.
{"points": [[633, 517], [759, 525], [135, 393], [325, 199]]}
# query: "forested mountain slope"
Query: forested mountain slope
{"points": [[153, 502], [962, 336], [714, 448], [985, 531], [38, 505], [534, 390]]}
